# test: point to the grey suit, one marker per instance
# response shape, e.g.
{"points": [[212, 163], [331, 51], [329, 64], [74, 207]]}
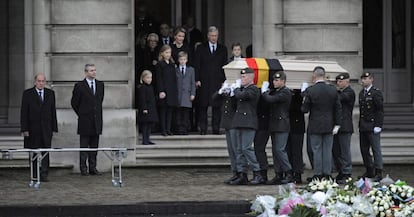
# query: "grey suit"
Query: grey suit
{"points": [[322, 102], [185, 88]]}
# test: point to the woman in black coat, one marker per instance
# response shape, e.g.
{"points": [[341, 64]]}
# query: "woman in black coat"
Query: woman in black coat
{"points": [[166, 87], [147, 110]]}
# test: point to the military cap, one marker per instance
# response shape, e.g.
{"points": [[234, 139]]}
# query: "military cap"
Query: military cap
{"points": [[342, 76], [246, 71], [366, 74], [279, 75]]}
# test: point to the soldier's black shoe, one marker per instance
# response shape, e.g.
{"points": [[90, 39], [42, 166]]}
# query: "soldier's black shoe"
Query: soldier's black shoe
{"points": [[84, 173], [369, 173], [257, 179], [234, 177], [263, 173], [288, 177], [241, 180], [298, 178], [277, 180], [378, 175]]}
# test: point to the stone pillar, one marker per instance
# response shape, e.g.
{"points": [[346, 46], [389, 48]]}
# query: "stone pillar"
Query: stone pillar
{"points": [[16, 59], [4, 61], [238, 28]]}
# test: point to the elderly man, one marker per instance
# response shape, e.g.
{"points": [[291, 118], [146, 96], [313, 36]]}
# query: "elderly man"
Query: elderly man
{"points": [[244, 123], [38, 120], [322, 102]]}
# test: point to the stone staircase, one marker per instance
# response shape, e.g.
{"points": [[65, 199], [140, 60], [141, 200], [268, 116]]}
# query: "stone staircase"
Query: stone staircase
{"points": [[398, 117], [210, 151]]}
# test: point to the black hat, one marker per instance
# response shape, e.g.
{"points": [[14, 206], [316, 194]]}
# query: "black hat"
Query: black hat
{"points": [[342, 76], [366, 74], [246, 71], [279, 75]]}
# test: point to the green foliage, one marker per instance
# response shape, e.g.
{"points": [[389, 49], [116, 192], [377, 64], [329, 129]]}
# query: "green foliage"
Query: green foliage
{"points": [[303, 211]]}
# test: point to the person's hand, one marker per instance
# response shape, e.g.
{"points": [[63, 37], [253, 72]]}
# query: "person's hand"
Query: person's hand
{"points": [[198, 83], [223, 88], [377, 130], [162, 95], [335, 129], [238, 83], [192, 97], [265, 86], [145, 112], [25, 133], [304, 86]]}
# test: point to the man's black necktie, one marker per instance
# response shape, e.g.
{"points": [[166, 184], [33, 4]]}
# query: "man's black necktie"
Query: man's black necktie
{"points": [[213, 48], [182, 71], [92, 89], [165, 41], [40, 96]]}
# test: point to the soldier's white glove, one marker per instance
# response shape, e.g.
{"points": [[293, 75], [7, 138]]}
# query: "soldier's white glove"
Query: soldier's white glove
{"points": [[265, 86], [377, 130], [238, 83], [304, 86], [335, 129], [223, 88]]}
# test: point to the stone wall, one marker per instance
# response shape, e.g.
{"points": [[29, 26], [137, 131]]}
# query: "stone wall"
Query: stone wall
{"points": [[66, 35]]}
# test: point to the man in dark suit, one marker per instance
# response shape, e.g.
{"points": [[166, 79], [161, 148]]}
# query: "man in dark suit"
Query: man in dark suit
{"points": [[210, 57], [244, 123], [342, 141], [38, 120], [322, 102], [370, 126], [165, 35], [87, 101]]}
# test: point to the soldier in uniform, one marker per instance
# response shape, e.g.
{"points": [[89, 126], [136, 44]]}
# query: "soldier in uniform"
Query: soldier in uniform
{"points": [[245, 125], [262, 136], [342, 141], [228, 106], [295, 141], [322, 102], [370, 126], [279, 99]]}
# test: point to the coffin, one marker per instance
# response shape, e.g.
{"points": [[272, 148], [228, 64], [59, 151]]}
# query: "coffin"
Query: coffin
{"points": [[297, 71]]}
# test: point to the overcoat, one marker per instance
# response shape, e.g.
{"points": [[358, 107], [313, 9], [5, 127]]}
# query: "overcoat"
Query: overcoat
{"points": [[185, 86], [167, 83], [88, 107], [209, 71], [279, 100], [147, 102], [38, 118], [371, 109], [347, 98]]}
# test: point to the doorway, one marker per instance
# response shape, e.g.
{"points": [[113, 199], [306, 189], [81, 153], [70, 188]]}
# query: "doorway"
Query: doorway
{"points": [[388, 47]]}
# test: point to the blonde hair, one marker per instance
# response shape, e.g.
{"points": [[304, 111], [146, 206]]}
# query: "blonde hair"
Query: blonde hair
{"points": [[162, 50], [144, 74]]}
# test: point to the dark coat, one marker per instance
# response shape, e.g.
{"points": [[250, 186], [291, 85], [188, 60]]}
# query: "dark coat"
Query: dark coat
{"points": [[209, 71], [38, 118], [147, 101], [228, 108], [262, 110], [279, 100], [246, 114], [371, 109], [175, 50], [88, 107], [347, 98], [296, 116], [185, 86], [322, 102], [167, 83]]}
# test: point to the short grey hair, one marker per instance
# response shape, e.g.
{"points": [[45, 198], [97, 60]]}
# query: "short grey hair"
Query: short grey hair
{"points": [[87, 65], [212, 29], [39, 73], [319, 71], [152, 35]]}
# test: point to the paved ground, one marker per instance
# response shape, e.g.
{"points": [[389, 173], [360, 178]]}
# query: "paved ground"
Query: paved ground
{"points": [[142, 185]]}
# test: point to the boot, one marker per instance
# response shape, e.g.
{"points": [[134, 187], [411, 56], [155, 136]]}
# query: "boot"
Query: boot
{"points": [[298, 178], [288, 177], [277, 180], [378, 175], [234, 177], [257, 178], [263, 173], [368, 174], [241, 180]]}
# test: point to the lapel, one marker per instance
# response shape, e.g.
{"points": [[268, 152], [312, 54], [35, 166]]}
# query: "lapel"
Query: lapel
{"points": [[36, 95], [86, 84]]}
